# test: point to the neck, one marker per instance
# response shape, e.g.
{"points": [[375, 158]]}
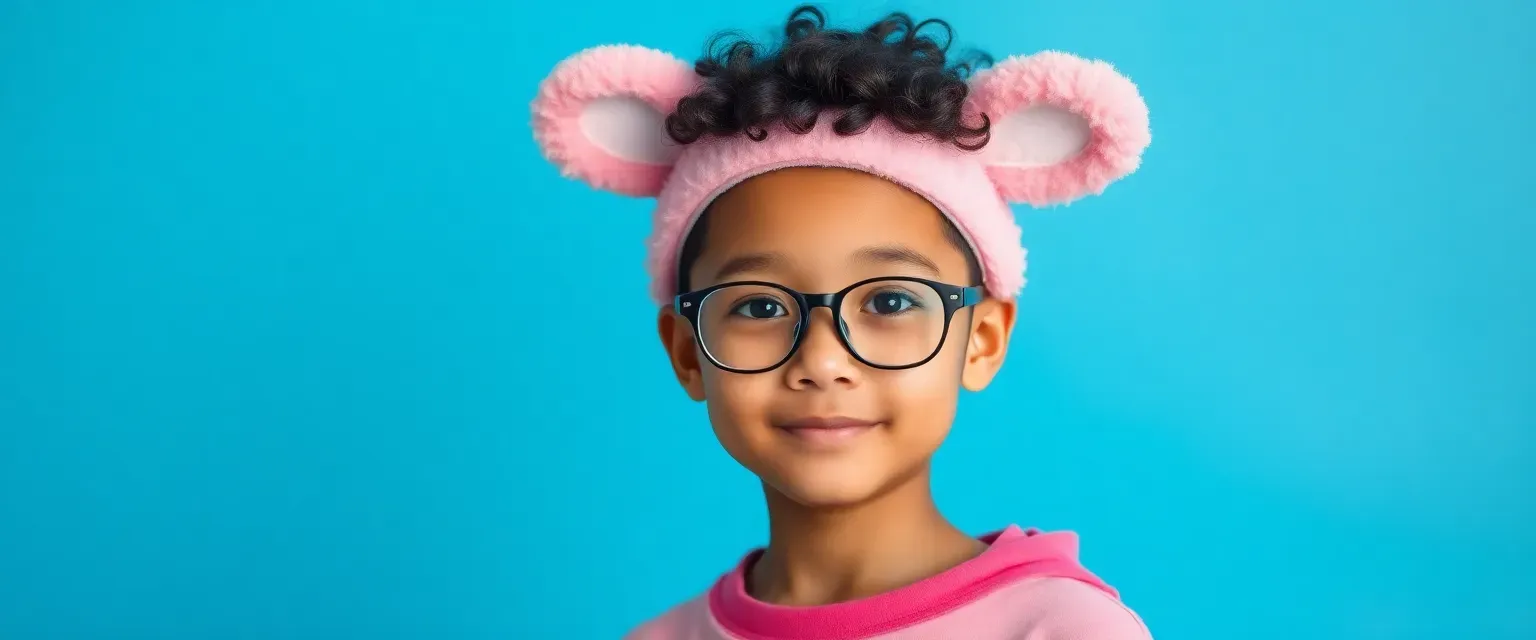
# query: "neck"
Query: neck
{"points": [[819, 556]]}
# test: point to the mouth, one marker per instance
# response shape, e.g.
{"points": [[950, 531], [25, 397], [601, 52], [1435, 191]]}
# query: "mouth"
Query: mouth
{"points": [[827, 432]]}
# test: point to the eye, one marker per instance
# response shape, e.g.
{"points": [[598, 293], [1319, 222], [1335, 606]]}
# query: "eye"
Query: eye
{"points": [[887, 303], [760, 309]]}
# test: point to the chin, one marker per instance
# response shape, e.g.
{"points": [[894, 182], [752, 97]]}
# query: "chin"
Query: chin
{"points": [[830, 490]]}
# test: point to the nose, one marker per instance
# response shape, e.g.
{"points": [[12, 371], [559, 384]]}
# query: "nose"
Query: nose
{"points": [[821, 362]]}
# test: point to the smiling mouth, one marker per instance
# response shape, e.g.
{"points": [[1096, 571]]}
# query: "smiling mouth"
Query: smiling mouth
{"points": [[827, 432]]}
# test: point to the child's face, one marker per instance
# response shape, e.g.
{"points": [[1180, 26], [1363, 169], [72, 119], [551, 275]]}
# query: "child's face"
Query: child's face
{"points": [[810, 229]]}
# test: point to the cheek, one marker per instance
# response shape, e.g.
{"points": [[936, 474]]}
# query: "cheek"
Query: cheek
{"points": [[924, 399], [925, 396], [939, 378], [737, 406]]}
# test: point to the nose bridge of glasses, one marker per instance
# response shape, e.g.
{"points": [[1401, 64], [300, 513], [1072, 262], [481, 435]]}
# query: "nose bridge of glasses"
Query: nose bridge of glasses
{"points": [[810, 325], [813, 300]]}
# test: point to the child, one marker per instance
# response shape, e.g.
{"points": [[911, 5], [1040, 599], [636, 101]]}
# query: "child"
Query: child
{"points": [[835, 258]]}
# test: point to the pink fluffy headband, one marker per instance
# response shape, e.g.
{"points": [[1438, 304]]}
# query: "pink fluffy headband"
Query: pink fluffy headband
{"points": [[1062, 128]]}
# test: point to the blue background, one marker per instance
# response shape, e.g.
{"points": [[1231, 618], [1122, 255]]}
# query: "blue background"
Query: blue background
{"points": [[277, 358]]}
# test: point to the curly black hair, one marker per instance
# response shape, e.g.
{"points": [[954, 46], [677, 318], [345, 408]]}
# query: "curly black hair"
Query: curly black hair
{"points": [[891, 70]]}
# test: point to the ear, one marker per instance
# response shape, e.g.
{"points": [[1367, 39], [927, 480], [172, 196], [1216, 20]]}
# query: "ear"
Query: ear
{"points": [[991, 328], [682, 352], [1062, 127], [598, 117]]}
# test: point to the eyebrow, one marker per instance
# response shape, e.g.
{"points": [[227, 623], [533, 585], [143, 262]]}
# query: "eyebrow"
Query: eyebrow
{"points": [[897, 254], [747, 263], [881, 254]]}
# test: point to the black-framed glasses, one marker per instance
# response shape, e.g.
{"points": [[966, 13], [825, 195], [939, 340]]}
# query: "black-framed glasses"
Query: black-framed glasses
{"points": [[894, 322]]}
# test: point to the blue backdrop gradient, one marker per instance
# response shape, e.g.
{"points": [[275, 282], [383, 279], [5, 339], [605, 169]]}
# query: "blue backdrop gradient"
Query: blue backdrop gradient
{"points": [[279, 356]]}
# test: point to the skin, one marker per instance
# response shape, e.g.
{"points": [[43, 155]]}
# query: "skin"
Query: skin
{"points": [[859, 518]]}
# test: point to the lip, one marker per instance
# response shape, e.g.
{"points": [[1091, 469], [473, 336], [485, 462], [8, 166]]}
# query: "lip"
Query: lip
{"points": [[826, 432], [833, 422]]}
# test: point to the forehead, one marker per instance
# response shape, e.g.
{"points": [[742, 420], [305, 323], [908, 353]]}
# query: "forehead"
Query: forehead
{"points": [[819, 221]]}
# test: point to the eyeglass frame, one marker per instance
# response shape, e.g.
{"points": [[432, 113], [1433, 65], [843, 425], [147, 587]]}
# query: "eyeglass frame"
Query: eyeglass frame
{"points": [[954, 297]]}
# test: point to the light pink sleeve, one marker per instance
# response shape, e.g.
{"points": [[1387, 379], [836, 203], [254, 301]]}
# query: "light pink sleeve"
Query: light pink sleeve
{"points": [[1066, 609], [687, 621]]}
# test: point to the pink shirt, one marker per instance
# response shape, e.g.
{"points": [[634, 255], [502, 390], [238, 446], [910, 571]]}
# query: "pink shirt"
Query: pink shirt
{"points": [[1027, 585]]}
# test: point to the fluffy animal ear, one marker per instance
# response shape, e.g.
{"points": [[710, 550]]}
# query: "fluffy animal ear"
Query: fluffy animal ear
{"points": [[599, 117], [1062, 127]]}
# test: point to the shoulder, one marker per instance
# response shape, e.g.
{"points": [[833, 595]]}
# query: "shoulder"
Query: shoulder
{"points": [[1067, 609], [687, 621]]}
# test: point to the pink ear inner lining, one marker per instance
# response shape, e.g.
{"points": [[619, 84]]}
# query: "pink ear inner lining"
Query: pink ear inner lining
{"points": [[629, 129]]}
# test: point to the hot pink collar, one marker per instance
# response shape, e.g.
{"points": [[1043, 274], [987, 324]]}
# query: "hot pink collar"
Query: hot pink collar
{"points": [[1012, 555]]}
